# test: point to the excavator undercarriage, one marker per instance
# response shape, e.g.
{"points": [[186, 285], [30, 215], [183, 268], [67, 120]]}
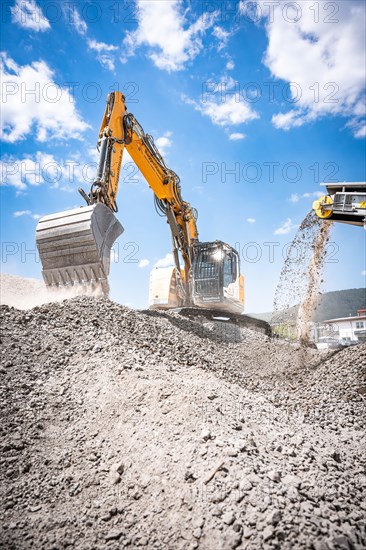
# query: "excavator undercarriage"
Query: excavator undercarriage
{"points": [[221, 320]]}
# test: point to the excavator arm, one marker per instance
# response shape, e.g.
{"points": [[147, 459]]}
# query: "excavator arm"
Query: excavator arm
{"points": [[119, 131]]}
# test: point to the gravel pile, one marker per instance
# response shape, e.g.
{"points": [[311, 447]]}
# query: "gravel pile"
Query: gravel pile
{"points": [[146, 430]]}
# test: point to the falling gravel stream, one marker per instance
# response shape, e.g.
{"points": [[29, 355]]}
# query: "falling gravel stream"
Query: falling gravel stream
{"points": [[301, 275]]}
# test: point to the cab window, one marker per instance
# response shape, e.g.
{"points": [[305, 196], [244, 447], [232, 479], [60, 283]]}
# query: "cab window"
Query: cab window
{"points": [[230, 269]]}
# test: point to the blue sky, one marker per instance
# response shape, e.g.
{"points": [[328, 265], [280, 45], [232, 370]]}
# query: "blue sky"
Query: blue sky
{"points": [[253, 105]]}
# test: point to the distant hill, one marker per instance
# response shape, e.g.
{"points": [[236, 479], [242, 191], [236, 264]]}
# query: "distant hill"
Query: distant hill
{"points": [[330, 305]]}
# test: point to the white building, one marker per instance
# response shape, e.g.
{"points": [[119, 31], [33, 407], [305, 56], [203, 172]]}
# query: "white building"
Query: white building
{"points": [[349, 329]]}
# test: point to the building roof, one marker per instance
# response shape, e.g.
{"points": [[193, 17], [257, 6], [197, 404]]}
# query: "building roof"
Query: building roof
{"points": [[353, 318]]}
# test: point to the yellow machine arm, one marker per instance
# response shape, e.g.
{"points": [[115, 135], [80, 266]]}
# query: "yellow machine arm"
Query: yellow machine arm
{"points": [[120, 130]]}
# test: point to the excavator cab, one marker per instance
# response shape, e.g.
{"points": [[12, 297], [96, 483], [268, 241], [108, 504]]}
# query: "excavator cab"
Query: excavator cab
{"points": [[216, 279]]}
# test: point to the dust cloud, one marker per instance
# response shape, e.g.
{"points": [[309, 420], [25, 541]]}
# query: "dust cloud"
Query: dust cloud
{"points": [[25, 293]]}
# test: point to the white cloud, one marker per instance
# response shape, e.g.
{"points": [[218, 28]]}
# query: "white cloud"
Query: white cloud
{"points": [[292, 119], [107, 61], [20, 213], [167, 261], [104, 55], [295, 197], [105, 58], [224, 105], [143, 263], [101, 46], [77, 22], [130, 173], [251, 220], [324, 61], [220, 33], [235, 136], [230, 65], [227, 85], [285, 228], [43, 168], [164, 142], [315, 194], [94, 154], [29, 15], [126, 157], [222, 36], [32, 102], [359, 129], [224, 113], [163, 27], [9, 168], [30, 170], [363, 272]]}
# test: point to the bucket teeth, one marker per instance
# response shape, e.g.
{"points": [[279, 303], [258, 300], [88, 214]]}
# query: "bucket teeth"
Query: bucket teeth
{"points": [[75, 246]]}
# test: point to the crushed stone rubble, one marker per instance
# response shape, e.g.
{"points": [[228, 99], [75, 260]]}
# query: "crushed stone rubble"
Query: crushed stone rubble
{"points": [[138, 429]]}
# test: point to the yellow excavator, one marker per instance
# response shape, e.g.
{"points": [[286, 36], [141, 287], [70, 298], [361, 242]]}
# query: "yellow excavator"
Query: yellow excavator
{"points": [[344, 203], [75, 245]]}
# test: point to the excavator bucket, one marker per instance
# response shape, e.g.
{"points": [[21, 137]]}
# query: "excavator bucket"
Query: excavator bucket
{"points": [[75, 246]]}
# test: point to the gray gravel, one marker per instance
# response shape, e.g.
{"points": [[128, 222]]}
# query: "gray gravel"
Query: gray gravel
{"points": [[144, 430]]}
